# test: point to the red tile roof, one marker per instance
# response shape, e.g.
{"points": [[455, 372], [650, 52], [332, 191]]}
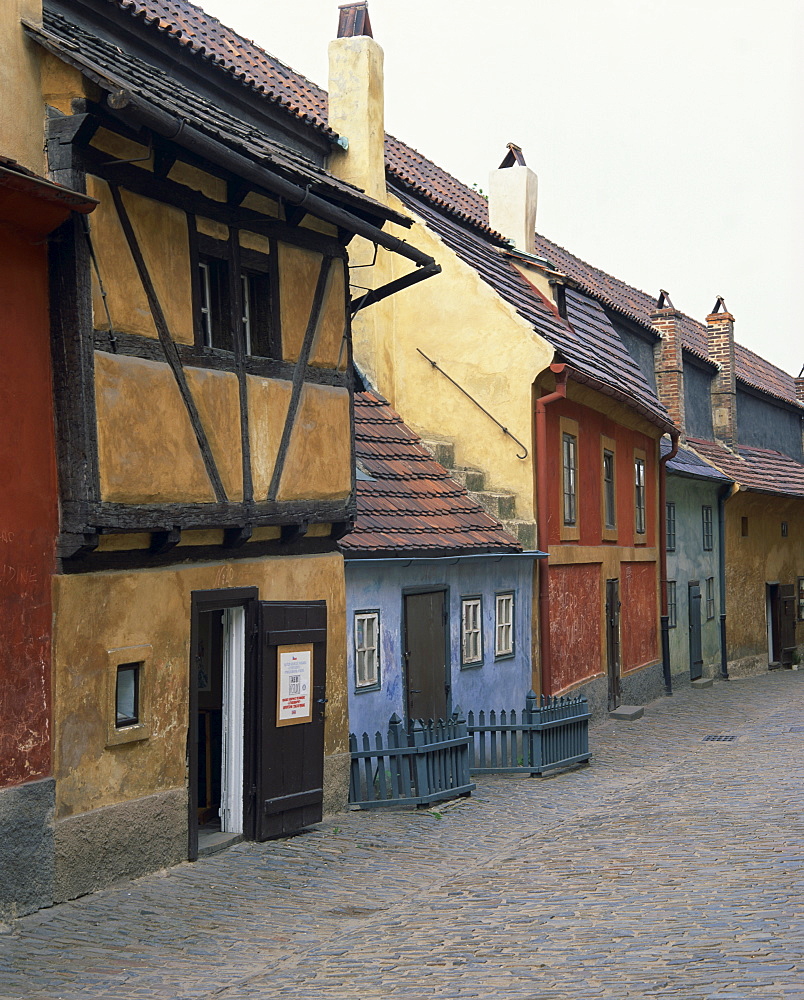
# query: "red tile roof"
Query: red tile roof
{"points": [[410, 506], [245, 61], [759, 469]]}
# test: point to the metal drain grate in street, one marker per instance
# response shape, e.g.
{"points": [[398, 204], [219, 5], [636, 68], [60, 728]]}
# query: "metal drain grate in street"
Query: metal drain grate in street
{"points": [[718, 739]]}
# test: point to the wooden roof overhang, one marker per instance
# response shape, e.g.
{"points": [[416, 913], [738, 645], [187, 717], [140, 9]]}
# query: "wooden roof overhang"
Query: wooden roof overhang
{"points": [[143, 96], [37, 205]]}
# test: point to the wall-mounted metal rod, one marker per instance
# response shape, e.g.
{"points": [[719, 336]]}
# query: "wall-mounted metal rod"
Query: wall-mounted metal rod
{"points": [[478, 405]]}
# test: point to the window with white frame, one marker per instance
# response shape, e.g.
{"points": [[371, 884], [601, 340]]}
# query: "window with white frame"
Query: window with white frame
{"points": [[570, 460], [471, 631], [504, 625], [367, 649], [639, 494]]}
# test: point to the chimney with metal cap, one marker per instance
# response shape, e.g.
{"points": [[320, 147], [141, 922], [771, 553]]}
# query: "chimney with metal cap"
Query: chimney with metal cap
{"points": [[356, 101], [668, 360], [720, 344], [513, 190]]}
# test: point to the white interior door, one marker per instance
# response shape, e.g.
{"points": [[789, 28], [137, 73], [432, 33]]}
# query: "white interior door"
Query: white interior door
{"points": [[234, 647]]}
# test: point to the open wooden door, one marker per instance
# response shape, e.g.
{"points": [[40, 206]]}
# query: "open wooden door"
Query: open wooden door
{"points": [[290, 699], [787, 597]]}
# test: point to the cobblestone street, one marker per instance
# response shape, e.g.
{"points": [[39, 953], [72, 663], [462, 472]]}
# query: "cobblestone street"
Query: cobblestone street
{"points": [[670, 867]]}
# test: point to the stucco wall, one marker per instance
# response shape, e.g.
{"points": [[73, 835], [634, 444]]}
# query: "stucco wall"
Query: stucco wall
{"points": [[689, 562], [764, 425], [697, 401], [22, 110], [762, 556], [497, 684], [98, 612], [460, 322]]}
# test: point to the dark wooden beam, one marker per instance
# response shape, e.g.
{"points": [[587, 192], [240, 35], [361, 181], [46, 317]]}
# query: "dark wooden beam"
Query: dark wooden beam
{"points": [[293, 532], [164, 541]]}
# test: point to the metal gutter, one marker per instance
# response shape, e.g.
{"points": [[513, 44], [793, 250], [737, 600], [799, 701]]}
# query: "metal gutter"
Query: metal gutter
{"points": [[408, 560], [727, 491]]}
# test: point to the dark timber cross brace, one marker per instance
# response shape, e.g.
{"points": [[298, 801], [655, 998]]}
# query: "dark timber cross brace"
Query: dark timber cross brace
{"points": [[168, 346], [298, 375]]}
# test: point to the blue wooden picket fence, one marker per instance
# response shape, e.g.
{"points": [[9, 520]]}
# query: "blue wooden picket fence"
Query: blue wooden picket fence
{"points": [[549, 733], [427, 763]]}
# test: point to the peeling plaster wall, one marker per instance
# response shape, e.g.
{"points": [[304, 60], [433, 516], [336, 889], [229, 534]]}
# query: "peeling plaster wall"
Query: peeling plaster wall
{"points": [[689, 562], [763, 556], [99, 612]]}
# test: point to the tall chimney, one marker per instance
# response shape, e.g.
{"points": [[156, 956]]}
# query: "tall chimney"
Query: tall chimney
{"points": [[669, 363], [720, 345], [513, 191], [800, 389], [356, 101], [22, 110]]}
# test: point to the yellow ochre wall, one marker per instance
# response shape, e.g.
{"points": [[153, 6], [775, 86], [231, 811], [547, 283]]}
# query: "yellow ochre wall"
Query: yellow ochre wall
{"points": [[98, 612], [763, 556], [22, 110], [475, 336]]}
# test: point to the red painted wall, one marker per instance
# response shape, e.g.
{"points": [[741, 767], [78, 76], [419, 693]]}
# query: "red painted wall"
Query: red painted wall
{"points": [[591, 426], [638, 639], [28, 509], [574, 623]]}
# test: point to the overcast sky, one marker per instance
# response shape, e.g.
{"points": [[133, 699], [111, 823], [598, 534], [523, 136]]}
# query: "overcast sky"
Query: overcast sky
{"points": [[668, 136]]}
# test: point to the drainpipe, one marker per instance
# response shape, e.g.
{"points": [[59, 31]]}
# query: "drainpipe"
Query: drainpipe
{"points": [[722, 497], [665, 618], [561, 373]]}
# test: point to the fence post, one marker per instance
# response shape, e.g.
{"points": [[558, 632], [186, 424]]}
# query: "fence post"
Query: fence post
{"points": [[463, 774], [419, 739]]}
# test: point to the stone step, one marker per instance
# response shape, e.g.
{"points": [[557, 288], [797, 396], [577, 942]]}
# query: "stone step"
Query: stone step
{"points": [[524, 532], [500, 504], [442, 450], [627, 713]]}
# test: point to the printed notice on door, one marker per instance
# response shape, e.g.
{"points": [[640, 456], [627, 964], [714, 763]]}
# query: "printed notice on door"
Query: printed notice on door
{"points": [[294, 685]]}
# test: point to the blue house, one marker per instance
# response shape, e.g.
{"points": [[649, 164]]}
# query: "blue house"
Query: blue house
{"points": [[439, 596]]}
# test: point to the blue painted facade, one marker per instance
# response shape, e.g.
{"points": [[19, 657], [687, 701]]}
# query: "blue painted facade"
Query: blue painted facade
{"points": [[494, 684], [692, 487]]}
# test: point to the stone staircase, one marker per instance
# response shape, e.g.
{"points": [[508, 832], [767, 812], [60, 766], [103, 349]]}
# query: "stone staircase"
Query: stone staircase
{"points": [[501, 504]]}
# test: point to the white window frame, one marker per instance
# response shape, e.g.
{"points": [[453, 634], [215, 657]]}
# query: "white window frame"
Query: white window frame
{"points": [[471, 631], [640, 512], [504, 625], [367, 654]]}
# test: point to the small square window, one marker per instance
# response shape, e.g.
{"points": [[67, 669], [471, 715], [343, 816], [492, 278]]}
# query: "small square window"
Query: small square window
{"points": [[504, 626], [670, 525], [471, 631], [706, 517], [672, 607], [127, 695], [367, 650]]}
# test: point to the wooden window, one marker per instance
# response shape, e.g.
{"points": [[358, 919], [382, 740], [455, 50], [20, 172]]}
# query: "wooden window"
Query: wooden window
{"points": [[504, 626], [214, 303], [609, 499], [367, 650], [570, 453], [471, 631], [710, 598], [706, 518], [672, 607], [670, 526], [639, 494], [231, 277], [800, 598]]}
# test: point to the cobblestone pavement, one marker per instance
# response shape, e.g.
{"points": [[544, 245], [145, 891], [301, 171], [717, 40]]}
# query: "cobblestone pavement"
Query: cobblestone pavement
{"points": [[670, 867]]}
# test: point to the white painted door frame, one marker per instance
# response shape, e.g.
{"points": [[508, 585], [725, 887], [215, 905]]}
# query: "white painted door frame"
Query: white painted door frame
{"points": [[234, 670]]}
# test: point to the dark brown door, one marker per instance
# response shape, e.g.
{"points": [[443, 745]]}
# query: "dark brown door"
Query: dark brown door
{"points": [[787, 598], [289, 773], [613, 640], [426, 655], [774, 613]]}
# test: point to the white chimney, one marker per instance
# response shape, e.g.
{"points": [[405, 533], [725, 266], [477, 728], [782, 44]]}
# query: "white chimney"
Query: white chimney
{"points": [[356, 102], [513, 191]]}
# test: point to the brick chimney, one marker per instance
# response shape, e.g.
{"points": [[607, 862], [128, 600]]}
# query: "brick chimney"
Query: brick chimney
{"points": [[800, 389], [356, 101], [720, 344], [513, 191], [669, 363]]}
